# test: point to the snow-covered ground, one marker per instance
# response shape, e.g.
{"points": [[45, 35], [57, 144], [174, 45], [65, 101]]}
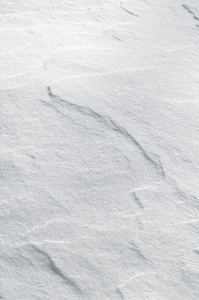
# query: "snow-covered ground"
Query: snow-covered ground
{"points": [[99, 164]]}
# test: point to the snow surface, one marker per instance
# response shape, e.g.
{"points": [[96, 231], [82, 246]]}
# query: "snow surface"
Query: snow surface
{"points": [[99, 149]]}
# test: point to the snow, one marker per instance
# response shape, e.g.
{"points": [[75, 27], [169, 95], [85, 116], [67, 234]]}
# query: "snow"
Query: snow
{"points": [[99, 161]]}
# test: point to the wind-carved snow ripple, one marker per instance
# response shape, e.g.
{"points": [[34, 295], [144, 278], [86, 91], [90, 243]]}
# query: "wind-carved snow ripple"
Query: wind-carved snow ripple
{"points": [[144, 167], [56, 270]]}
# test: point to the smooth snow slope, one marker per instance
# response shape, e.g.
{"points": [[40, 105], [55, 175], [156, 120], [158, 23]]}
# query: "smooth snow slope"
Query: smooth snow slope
{"points": [[99, 150]]}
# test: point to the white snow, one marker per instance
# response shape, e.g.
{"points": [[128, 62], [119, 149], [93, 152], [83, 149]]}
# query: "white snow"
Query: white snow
{"points": [[99, 164]]}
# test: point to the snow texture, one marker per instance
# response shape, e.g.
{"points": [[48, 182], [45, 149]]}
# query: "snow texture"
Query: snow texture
{"points": [[99, 164]]}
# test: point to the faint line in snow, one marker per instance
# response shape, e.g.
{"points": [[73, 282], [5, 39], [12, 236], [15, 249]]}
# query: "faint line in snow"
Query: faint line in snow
{"points": [[100, 74]]}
